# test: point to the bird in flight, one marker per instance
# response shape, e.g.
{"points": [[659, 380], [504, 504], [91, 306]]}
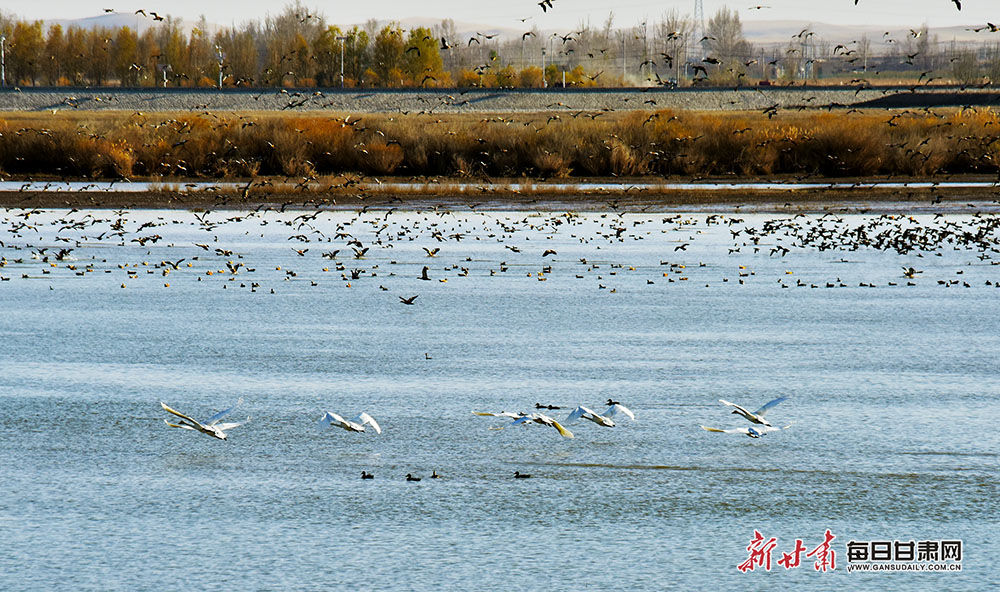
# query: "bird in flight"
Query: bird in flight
{"points": [[544, 420], [752, 432], [408, 300], [211, 426], [756, 416], [522, 418], [510, 414], [582, 412]]}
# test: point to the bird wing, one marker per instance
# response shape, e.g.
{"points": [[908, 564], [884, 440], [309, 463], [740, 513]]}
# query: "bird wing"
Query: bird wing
{"points": [[743, 431], [228, 426], [562, 431], [542, 418], [739, 408], [364, 418], [619, 408], [195, 423], [215, 418], [576, 413], [178, 425], [768, 405]]}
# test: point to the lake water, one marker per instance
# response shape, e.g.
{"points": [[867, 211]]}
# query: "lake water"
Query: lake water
{"points": [[893, 393]]}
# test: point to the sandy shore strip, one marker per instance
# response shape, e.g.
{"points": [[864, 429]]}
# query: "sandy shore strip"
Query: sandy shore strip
{"points": [[956, 195]]}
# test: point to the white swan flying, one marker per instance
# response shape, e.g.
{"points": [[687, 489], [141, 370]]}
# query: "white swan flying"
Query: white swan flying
{"points": [[582, 412], [544, 420], [753, 432], [756, 416], [210, 427]]}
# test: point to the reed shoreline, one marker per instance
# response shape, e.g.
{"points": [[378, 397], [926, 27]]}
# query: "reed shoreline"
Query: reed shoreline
{"points": [[550, 145], [385, 160]]}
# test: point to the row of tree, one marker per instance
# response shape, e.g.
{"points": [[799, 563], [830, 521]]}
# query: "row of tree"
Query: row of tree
{"points": [[298, 48]]}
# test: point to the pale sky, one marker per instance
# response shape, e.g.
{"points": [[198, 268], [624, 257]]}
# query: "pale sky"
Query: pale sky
{"points": [[563, 14]]}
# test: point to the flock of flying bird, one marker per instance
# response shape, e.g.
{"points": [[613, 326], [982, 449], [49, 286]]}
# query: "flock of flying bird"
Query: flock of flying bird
{"points": [[212, 426], [215, 428]]}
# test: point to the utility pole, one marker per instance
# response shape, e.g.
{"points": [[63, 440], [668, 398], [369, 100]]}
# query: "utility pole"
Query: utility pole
{"points": [[551, 37], [645, 51], [699, 26], [218, 54], [677, 59], [624, 35], [544, 84], [342, 39]]}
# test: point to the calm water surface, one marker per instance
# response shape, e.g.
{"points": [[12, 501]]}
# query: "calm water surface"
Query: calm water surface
{"points": [[894, 391]]}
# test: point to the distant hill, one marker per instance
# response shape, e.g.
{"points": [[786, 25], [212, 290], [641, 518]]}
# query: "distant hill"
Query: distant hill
{"points": [[116, 20]]}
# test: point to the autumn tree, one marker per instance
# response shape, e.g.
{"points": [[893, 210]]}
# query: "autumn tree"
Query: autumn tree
{"points": [[326, 56], [100, 62], [126, 57], [671, 37], [203, 65], [173, 52], [387, 55], [356, 51], [422, 59], [55, 44], [27, 52], [239, 53], [148, 55], [285, 42], [75, 56], [727, 44]]}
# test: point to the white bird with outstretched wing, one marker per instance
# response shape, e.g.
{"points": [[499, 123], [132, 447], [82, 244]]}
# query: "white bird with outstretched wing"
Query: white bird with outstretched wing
{"points": [[756, 416], [582, 412], [210, 427], [544, 420], [752, 432]]}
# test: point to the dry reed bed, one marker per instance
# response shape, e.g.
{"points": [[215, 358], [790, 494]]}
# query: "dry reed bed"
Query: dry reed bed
{"points": [[560, 145]]}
